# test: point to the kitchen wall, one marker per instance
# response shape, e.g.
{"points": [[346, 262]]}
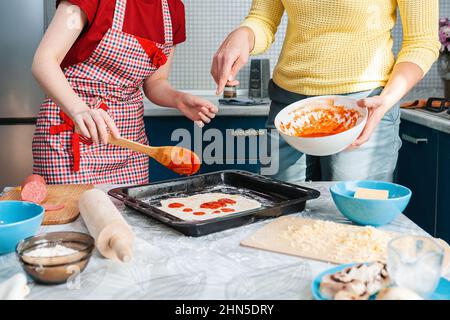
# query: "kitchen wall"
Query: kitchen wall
{"points": [[208, 22]]}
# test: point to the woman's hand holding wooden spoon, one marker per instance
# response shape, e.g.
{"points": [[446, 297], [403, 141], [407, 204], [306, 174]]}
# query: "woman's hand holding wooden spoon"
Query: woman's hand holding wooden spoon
{"points": [[94, 124]]}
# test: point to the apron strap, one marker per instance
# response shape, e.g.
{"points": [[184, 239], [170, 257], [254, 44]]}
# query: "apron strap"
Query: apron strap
{"points": [[119, 14], [168, 31]]}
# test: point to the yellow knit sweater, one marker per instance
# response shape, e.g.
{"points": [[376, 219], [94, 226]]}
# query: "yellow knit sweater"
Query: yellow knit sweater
{"points": [[343, 46]]}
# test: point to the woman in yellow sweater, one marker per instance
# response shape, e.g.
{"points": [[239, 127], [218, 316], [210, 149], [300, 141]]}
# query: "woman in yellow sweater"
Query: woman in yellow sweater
{"points": [[339, 47]]}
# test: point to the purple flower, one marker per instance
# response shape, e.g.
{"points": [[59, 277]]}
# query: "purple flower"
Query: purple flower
{"points": [[444, 34], [443, 22]]}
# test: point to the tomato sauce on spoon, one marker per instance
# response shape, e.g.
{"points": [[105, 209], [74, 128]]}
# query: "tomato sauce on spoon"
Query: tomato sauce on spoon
{"points": [[184, 162]]}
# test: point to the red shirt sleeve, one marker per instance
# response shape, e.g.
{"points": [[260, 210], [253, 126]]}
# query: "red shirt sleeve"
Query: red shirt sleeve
{"points": [[178, 21], [89, 7]]}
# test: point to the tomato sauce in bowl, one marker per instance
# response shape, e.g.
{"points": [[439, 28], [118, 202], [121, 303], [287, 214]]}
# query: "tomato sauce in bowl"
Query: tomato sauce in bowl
{"points": [[321, 126], [320, 121]]}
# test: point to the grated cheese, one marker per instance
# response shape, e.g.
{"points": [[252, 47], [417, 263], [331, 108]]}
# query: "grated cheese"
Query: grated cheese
{"points": [[340, 242]]}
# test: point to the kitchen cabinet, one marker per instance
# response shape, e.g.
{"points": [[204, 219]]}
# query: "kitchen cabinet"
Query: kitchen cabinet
{"points": [[228, 142], [443, 195], [417, 169], [423, 167]]}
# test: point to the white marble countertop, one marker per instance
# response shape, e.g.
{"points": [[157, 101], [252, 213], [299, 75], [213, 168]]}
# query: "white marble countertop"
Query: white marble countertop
{"points": [[423, 117], [417, 116], [169, 265], [427, 119]]}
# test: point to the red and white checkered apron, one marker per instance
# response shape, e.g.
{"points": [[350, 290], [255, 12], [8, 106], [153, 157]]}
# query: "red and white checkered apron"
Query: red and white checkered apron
{"points": [[114, 73]]}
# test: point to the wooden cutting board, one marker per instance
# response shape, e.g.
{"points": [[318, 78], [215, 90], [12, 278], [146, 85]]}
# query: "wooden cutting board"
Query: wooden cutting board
{"points": [[68, 195], [272, 237]]}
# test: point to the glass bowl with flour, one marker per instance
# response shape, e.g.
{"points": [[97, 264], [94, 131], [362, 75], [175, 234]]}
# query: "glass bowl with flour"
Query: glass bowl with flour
{"points": [[53, 258]]}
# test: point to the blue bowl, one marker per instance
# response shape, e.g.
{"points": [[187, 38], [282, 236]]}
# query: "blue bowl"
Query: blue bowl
{"points": [[366, 211], [18, 220]]}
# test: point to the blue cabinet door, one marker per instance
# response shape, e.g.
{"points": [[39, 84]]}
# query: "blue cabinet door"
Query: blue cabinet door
{"points": [[226, 143], [443, 196], [417, 170]]}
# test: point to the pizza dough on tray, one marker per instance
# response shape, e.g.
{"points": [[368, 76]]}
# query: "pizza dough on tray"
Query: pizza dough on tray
{"points": [[206, 206]]}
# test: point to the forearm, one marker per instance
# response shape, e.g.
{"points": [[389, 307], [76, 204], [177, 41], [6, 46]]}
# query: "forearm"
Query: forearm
{"points": [[55, 44], [161, 92], [250, 36], [52, 80], [404, 77]]}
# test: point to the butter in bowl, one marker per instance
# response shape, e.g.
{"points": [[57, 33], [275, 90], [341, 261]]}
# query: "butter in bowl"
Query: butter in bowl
{"points": [[53, 258], [373, 203]]}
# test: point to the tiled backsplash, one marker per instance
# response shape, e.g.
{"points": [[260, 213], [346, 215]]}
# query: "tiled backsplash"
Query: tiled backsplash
{"points": [[209, 21]]}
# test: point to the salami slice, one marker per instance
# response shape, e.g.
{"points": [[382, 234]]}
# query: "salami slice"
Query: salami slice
{"points": [[34, 189], [53, 207]]}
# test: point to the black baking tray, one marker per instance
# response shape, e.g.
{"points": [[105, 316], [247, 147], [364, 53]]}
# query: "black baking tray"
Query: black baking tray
{"points": [[277, 199]]}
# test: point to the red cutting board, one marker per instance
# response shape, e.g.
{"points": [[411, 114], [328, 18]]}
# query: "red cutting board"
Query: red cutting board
{"points": [[68, 195]]}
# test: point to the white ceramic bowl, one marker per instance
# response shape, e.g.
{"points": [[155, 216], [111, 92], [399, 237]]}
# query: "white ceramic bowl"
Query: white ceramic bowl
{"points": [[328, 145]]}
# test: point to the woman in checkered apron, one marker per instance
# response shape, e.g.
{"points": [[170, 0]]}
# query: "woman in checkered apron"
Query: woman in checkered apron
{"points": [[103, 93]]}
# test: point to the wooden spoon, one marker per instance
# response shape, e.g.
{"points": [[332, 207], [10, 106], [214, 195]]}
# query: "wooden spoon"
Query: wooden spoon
{"points": [[179, 160]]}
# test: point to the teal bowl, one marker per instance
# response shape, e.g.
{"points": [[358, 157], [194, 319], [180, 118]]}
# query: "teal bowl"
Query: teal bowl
{"points": [[18, 220], [366, 211]]}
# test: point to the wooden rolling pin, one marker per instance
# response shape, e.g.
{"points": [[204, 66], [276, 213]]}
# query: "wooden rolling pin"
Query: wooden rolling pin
{"points": [[113, 236]]}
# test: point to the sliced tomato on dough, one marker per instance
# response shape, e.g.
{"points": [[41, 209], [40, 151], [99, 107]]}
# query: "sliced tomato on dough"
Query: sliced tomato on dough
{"points": [[176, 205]]}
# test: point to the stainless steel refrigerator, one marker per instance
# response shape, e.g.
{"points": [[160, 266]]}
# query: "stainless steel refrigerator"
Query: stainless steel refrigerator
{"points": [[22, 25]]}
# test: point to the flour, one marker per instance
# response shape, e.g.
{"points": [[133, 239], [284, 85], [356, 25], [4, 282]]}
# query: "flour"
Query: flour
{"points": [[50, 252]]}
